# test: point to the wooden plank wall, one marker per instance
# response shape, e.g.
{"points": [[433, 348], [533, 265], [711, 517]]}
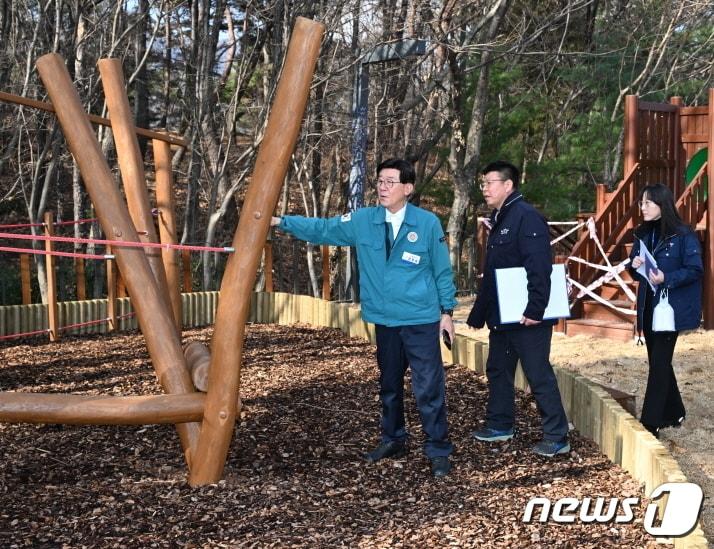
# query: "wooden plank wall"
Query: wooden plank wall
{"points": [[694, 130]]}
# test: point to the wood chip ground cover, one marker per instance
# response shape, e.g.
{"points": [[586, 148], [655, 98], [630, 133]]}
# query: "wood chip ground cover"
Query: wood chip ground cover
{"points": [[295, 474]]}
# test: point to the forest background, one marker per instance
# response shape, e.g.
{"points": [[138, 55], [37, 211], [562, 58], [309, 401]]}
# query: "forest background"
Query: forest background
{"points": [[539, 83]]}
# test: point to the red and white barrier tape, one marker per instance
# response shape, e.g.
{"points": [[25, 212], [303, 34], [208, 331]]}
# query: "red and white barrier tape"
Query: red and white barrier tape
{"points": [[568, 233], [117, 243], [584, 290], [61, 254], [56, 223], [25, 334], [593, 234], [87, 323], [77, 222], [607, 277]]}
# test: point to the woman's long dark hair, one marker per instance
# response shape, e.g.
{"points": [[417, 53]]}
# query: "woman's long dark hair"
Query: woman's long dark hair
{"points": [[670, 223]]}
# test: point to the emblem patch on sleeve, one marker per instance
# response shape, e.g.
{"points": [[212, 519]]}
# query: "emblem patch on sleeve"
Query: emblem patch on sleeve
{"points": [[346, 217]]}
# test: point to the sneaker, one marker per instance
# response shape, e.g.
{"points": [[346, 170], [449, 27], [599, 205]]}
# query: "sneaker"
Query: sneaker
{"points": [[549, 448], [492, 435], [392, 449], [440, 466]]}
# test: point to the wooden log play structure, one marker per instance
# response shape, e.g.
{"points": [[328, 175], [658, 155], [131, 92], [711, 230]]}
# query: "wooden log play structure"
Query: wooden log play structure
{"points": [[204, 421], [157, 326]]}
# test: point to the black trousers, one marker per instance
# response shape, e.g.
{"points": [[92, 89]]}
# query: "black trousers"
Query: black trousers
{"points": [[532, 346], [663, 403], [416, 347]]}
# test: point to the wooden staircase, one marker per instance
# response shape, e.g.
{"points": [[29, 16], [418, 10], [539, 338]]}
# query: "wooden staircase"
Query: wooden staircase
{"points": [[599, 320]]}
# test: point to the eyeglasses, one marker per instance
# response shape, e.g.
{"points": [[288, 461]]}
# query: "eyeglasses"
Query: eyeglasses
{"points": [[387, 183], [645, 204], [485, 183]]}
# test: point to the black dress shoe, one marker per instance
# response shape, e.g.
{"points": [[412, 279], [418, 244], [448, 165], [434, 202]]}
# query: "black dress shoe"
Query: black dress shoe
{"points": [[440, 466], [392, 449]]}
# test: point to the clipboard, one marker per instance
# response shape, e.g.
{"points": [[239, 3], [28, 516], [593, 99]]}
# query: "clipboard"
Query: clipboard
{"points": [[512, 291]]}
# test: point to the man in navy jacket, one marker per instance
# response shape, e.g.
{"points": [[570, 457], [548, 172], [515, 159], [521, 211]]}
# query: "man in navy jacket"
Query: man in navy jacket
{"points": [[518, 238]]}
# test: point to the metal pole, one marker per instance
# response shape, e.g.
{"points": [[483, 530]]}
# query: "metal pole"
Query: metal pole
{"points": [[360, 107]]}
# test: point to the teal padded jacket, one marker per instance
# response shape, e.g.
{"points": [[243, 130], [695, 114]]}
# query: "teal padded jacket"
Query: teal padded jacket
{"points": [[409, 288]]}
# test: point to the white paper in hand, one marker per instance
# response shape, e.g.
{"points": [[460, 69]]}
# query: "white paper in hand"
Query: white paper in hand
{"points": [[512, 290], [649, 264]]}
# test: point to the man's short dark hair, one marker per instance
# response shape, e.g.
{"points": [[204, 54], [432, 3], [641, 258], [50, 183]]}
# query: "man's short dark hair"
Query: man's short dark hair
{"points": [[506, 169], [406, 169]]}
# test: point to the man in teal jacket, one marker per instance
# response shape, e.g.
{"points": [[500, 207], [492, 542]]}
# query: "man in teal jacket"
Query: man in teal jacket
{"points": [[407, 291]]}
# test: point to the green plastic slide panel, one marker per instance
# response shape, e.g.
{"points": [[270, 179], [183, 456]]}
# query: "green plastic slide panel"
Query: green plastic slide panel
{"points": [[695, 164]]}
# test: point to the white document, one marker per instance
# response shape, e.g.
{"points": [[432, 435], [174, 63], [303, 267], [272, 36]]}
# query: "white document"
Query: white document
{"points": [[512, 290], [649, 264]]}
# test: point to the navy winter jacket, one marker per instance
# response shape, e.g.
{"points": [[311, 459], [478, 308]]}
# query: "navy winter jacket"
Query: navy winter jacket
{"points": [[519, 238], [679, 257]]}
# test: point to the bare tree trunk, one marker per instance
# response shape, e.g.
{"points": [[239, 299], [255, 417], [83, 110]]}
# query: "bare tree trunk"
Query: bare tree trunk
{"points": [[140, 84], [465, 153]]}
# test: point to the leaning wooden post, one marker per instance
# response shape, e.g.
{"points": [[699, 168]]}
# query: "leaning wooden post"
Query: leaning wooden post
{"points": [[709, 240], [159, 331], [167, 224], [131, 165], [52, 313], [237, 286], [25, 279], [326, 290], [111, 291]]}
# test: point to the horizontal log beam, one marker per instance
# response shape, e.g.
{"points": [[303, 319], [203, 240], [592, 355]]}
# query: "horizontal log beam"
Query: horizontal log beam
{"points": [[43, 106], [100, 409]]}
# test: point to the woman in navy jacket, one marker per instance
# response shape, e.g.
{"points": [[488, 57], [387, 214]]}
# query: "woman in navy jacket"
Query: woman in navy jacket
{"points": [[676, 250]]}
